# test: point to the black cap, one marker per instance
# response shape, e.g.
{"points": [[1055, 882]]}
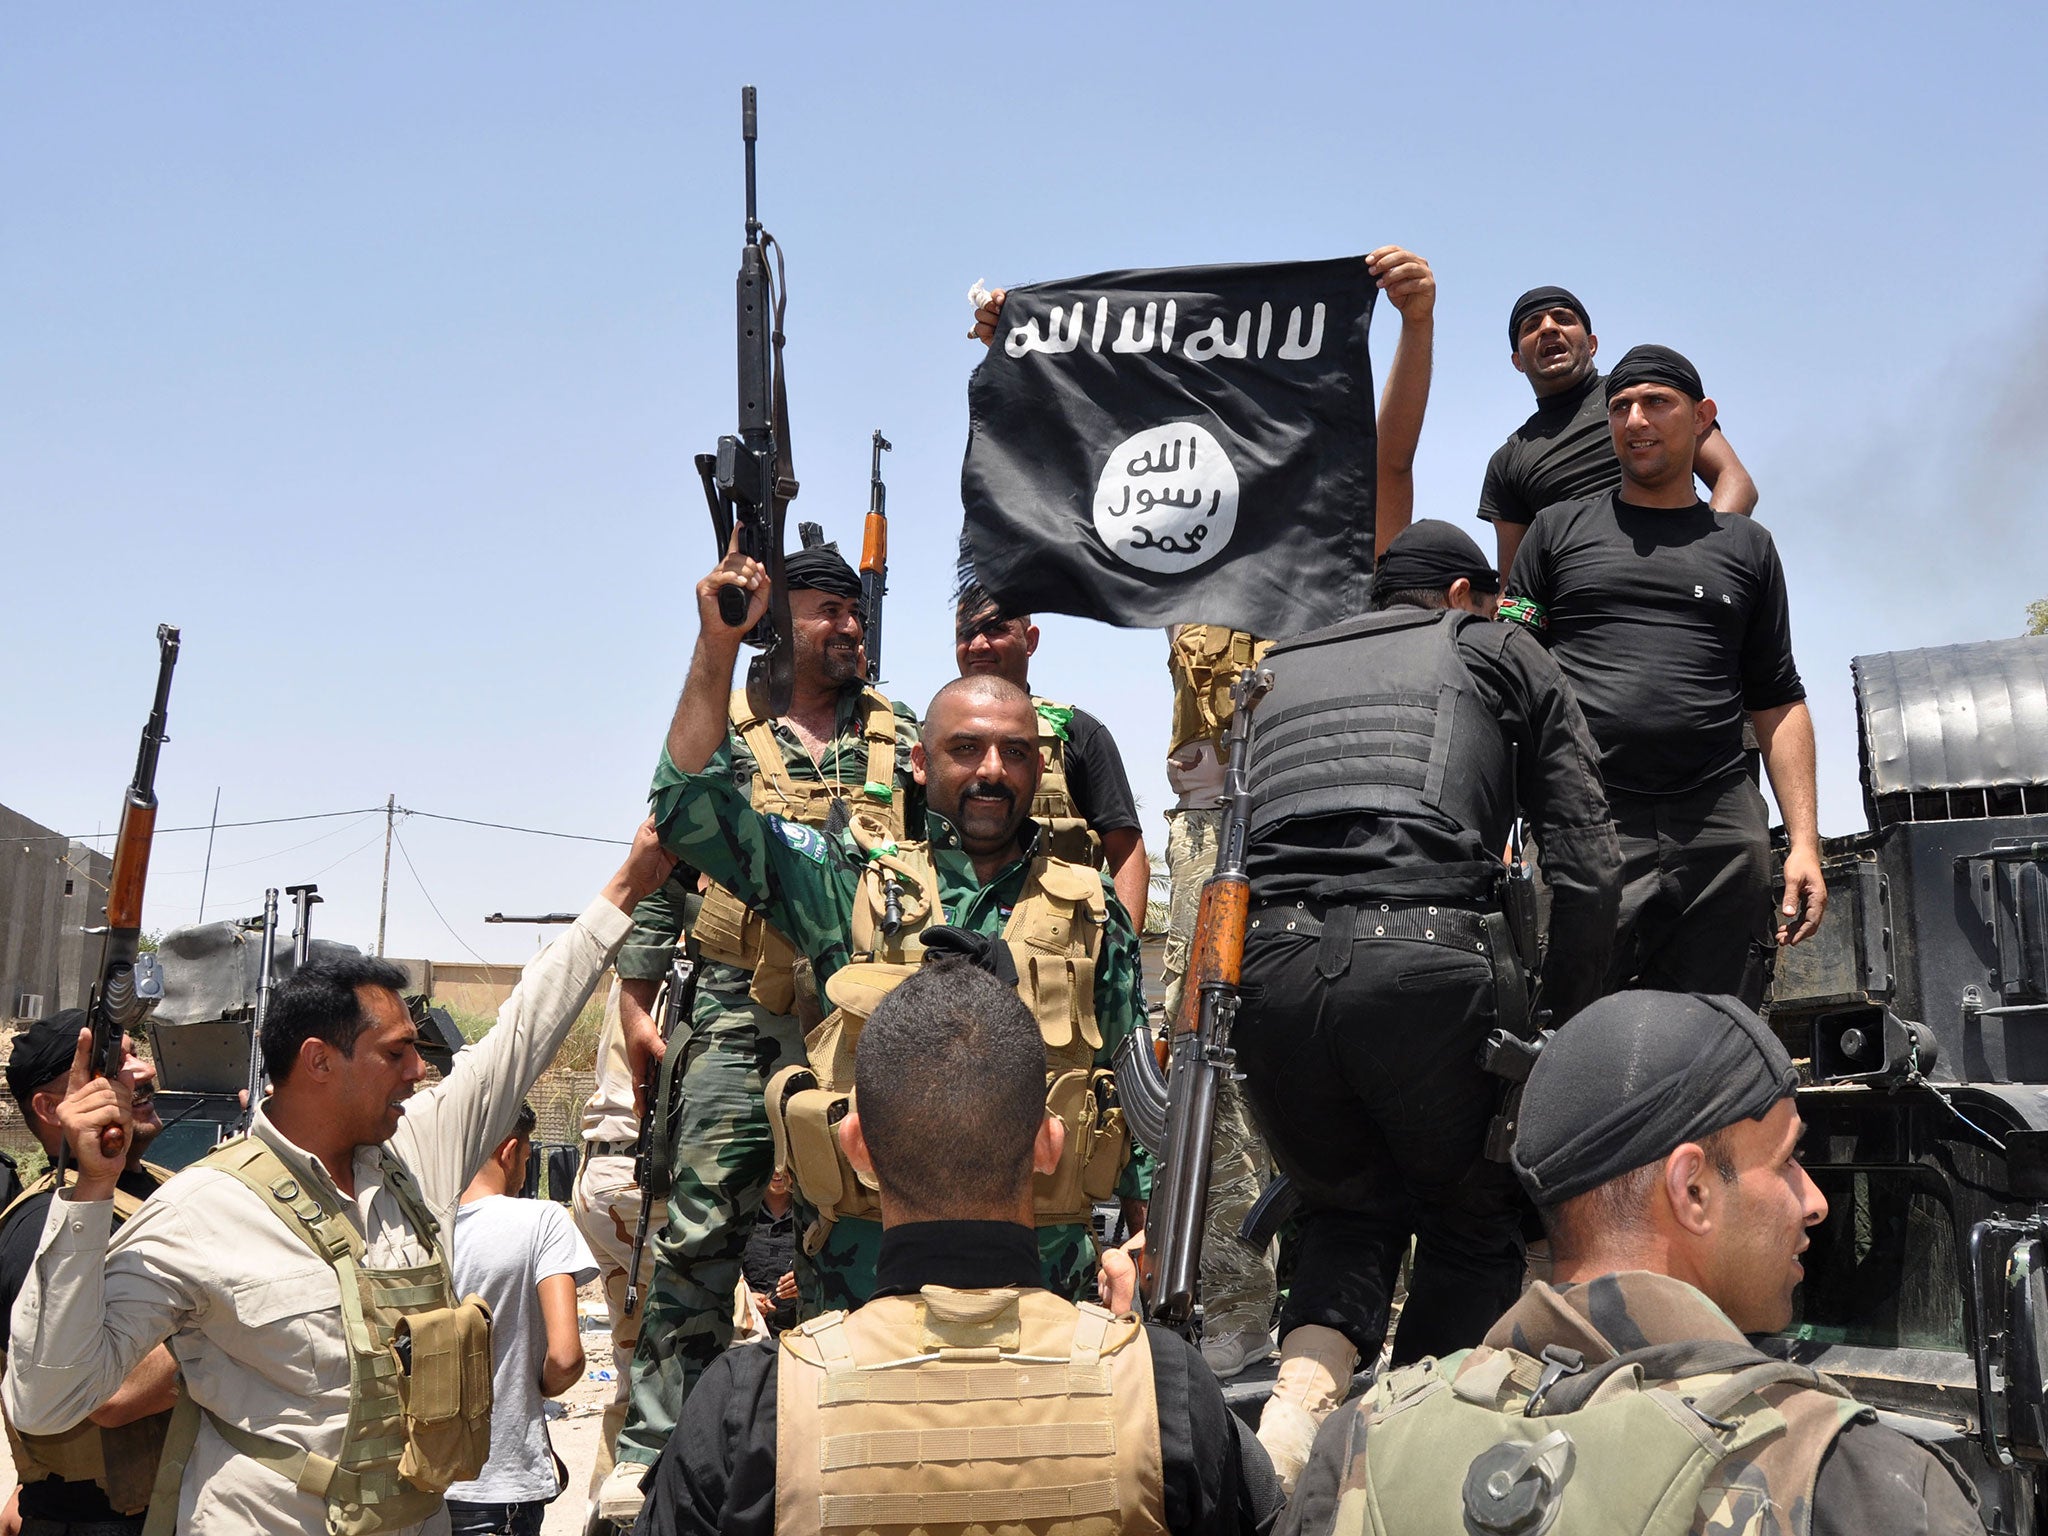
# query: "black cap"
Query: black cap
{"points": [[1535, 301], [43, 1052], [1652, 364], [1636, 1075], [821, 568], [1431, 554]]}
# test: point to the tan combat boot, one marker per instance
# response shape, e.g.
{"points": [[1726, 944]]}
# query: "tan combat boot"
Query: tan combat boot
{"points": [[1315, 1372]]}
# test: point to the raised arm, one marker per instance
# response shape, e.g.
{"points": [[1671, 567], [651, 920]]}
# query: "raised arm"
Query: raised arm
{"points": [[1410, 286], [1729, 485]]}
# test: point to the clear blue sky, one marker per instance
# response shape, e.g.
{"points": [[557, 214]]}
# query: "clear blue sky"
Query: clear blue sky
{"points": [[371, 344]]}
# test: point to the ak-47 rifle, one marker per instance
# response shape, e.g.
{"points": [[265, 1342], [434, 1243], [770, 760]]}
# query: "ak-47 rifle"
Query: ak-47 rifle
{"points": [[750, 480], [263, 976], [1174, 1114], [874, 560], [657, 1088], [130, 982], [1510, 1051]]}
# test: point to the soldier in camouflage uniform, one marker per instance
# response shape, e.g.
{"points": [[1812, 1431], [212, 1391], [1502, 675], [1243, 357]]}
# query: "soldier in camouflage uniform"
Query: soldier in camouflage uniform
{"points": [[1660, 1138], [840, 743], [979, 862]]}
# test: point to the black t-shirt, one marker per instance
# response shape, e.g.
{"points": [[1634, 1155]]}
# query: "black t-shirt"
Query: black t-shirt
{"points": [[52, 1498], [717, 1475], [1096, 777], [1671, 624]]}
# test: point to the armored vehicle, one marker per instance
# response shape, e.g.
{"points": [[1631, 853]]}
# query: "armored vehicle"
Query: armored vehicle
{"points": [[1919, 1014]]}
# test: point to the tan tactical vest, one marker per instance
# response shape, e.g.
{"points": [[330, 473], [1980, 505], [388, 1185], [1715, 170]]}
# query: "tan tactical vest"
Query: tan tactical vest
{"points": [[1204, 660], [122, 1461], [1065, 832], [1055, 937], [419, 1389], [726, 929], [1011, 1411]]}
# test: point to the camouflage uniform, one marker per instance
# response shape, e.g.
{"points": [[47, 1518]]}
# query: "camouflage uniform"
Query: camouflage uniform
{"points": [[723, 1154], [1821, 1465], [804, 884]]}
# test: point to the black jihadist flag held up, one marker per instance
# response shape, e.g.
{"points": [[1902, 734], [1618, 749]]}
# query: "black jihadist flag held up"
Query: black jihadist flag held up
{"points": [[1186, 445]]}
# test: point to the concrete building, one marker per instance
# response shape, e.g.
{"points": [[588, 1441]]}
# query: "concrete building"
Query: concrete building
{"points": [[51, 891]]}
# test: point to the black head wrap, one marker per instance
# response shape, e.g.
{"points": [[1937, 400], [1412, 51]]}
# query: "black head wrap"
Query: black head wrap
{"points": [[821, 568], [43, 1051], [985, 950], [1432, 553], [1635, 1075], [1535, 301], [1652, 364]]}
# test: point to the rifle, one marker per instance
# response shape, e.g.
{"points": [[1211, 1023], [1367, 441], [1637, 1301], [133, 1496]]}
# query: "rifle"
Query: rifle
{"points": [[874, 560], [750, 480], [650, 1165], [131, 983], [263, 975], [1178, 1108], [1510, 1051]]}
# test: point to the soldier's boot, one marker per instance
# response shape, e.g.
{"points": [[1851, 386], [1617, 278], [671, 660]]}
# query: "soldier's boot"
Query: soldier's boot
{"points": [[1315, 1372], [619, 1497]]}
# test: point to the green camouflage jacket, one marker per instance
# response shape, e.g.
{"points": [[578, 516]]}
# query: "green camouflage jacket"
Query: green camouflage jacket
{"points": [[662, 918], [1808, 1460], [804, 883]]}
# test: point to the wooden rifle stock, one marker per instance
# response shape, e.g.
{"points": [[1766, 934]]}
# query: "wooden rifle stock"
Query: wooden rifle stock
{"points": [[874, 560]]}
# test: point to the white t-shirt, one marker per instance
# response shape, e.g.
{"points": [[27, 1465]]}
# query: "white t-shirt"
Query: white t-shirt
{"points": [[504, 1248]]}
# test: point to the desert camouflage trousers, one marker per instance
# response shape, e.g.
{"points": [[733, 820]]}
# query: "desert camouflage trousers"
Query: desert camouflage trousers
{"points": [[1238, 1286], [607, 1211]]}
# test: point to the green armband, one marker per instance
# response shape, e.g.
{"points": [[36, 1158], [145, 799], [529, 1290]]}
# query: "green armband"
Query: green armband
{"points": [[882, 792], [1522, 610]]}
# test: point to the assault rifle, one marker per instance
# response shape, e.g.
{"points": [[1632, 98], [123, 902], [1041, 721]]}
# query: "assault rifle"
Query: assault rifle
{"points": [[1510, 1050], [131, 983], [1173, 1114], [750, 482], [874, 560], [263, 976], [657, 1090]]}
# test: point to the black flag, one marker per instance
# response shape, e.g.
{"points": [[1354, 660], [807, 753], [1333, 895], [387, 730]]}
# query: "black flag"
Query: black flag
{"points": [[1186, 445]]}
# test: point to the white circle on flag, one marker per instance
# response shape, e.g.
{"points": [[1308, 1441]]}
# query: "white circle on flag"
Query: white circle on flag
{"points": [[1167, 498]]}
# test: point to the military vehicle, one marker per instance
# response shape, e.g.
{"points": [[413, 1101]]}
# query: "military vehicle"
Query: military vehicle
{"points": [[1919, 1014]]}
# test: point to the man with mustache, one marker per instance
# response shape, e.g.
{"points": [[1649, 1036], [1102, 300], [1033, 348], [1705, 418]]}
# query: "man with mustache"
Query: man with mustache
{"points": [[841, 753], [1564, 450], [1671, 623], [293, 1270], [1660, 1140], [864, 910], [99, 1472]]}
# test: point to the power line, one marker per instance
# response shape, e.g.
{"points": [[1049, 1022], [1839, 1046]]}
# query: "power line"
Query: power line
{"points": [[416, 880], [372, 810], [576, 837]]}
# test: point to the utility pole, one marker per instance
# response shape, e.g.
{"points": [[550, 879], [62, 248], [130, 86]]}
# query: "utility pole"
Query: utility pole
{"points": [[207, 874], [384, 896]]}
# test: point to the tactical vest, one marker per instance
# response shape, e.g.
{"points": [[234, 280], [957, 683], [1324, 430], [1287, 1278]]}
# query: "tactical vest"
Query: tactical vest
{"points": [[1055, 937], [419, 1388], [729, 931], [1064, 831], [1379, 716], [1733, 1446], [1204, 660], [1003, 1409], [123, 1460]]}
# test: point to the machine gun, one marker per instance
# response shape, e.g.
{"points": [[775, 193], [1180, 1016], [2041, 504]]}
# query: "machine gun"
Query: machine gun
{"points": [[874, 560], [130, 983], [750, 482], [305, 898], [657, 1092], [1174, 1114]]}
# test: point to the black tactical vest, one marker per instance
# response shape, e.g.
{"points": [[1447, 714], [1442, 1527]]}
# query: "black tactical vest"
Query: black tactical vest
{"points": [[1379, 716]]}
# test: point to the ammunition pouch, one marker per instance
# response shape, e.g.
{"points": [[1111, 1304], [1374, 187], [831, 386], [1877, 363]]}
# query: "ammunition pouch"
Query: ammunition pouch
{"points": [[1204, 660], [444, 1385], [1069, 838], [735, 935]]}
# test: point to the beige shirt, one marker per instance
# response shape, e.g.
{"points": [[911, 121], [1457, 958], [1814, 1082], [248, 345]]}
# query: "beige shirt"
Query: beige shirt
{"points": [[612, 1111], [253, 1317]]}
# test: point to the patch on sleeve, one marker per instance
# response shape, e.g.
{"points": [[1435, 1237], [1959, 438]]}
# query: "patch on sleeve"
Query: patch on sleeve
{"points": [[807, 841], [1522, 610]]}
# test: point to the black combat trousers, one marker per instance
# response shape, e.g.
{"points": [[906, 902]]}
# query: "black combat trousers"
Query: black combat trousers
{"points": [[1696, 891], [1367, 1086]]}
